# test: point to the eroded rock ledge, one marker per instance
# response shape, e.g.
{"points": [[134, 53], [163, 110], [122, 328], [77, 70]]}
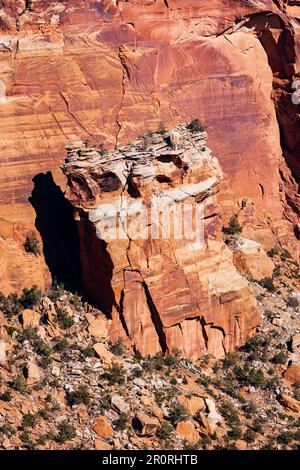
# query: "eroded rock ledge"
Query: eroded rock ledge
{"points": [[160, 293]]}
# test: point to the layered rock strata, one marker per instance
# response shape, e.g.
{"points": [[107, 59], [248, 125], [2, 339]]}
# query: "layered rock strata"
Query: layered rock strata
{"points": [[166, 283]]}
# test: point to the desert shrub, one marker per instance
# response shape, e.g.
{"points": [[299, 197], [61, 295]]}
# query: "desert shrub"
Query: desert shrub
{"points": [[276, 272], [273, 252], [249, 436], [267, 283], [118, 347], [234, 228], [105, 402], [256, 347], [171, 361], [296, 391], [7, 429], [230, 360], [292, 302], [56, 292], [178, 413], [81, 395], [159, 396], [44, 414], [5, 396], [285, 437], [250, 408], [115, 374], [249, 376], [10, 305], [41, 440], [19, 383], [280, 358], [165, 431], [196, 126], [229, 413], [26, 437], [29, 420], [66, 432], [60, 345], [32, 245], [138, 356], [121, 423], [88, 352], [257, 425], [235, 433], [65, 320], [30, 297], [286, 255]]}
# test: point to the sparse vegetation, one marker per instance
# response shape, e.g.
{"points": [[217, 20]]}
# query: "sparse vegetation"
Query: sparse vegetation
{"points": [[280, 358], [115, 374], [118, 347], [196, 126], [32, 245], [121, 423], [234, 228], [268, 284], [292, 302], [65, 320], [66, 432], [80, 395], [177, 413]]}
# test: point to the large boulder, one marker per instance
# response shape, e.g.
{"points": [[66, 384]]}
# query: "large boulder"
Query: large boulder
{"points": [[145, 425], [251, 259], [291, 404], [292, 374], [103, 428], [187, 431]]}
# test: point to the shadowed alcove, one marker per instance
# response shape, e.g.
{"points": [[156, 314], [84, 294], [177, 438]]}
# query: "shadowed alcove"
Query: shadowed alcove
{"points": [[56, 225]]}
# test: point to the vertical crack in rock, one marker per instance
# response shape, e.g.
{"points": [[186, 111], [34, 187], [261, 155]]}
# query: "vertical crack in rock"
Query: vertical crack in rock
{"points": [[125, 74], [156, 320], [74, 117], [27, 7]]}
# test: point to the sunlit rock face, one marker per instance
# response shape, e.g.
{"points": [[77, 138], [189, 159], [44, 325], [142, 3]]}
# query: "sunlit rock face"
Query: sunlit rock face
{"points": [[151, 248]]}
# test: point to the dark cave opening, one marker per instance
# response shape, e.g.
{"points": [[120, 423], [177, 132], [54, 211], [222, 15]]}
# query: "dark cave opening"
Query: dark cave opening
{"points": [[56, 225]]}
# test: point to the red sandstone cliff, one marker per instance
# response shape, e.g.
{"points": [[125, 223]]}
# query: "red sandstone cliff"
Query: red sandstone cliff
{"points": [[163, 285], [107, 70]]}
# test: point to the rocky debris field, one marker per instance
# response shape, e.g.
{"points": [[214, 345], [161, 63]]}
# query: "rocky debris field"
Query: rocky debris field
{"points": [[65, 386]]}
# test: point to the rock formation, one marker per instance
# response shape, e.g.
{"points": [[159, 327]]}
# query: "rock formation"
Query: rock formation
{"points": [[164, 285], [106, 70]]}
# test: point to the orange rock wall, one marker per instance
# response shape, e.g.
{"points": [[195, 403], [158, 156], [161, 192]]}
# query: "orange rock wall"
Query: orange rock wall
{"points": [[107, 70]]}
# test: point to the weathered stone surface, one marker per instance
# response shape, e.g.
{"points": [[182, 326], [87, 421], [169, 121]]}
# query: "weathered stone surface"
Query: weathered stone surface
{"points": [[119, 404], [18, 269], [98, 327], [292, 374], [193, 404], [30, 319], [152, 61], [187, 430], [104, 354], [289, 403], [145, 425], [251, 259], [103, 428], [162, 289], [296, 343], [3, 349], [102, 445], [33, 373]]}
